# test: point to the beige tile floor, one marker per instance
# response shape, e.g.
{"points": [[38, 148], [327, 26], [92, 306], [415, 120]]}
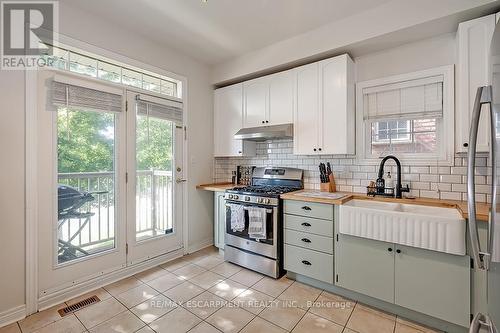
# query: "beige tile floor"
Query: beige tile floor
{"points": [[200, 293]]}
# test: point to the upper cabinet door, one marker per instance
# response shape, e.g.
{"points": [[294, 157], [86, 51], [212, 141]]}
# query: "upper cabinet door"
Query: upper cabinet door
{"points": [[337, 116], [256, 95], [474, 39], [228, 104], [306, 111], [280, 109]]}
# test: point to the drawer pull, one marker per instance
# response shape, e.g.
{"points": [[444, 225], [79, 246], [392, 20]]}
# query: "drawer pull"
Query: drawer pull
{"points": [[389, 249], [306, 240], [306, 208], [305, 224], [305, 262]]}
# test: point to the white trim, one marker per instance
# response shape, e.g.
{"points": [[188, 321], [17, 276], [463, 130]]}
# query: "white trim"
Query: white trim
{"points": [[201, 245], [31, 192], [65, 294], [12, 315], [31, 185], [447, 141]]}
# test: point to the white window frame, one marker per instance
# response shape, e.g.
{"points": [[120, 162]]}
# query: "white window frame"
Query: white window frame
{"points": [[445, 132], [398, 140]]}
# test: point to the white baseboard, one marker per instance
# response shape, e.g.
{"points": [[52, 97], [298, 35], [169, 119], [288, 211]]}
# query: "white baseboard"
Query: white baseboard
{"points": [[63, 295], [201, 245], [12, 315]]}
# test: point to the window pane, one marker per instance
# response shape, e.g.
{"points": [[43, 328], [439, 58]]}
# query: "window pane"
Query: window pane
{"points": [[86, 178], [150, 83], [82, 65], [404, 136], [109, 72], [131, 78], [154, 188], [168, 88]]}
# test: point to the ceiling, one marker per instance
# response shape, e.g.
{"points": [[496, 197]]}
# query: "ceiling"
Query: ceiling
{"points": [[218, 30]]}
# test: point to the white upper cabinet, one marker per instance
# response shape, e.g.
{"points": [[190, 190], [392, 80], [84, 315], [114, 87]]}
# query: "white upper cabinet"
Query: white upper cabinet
{"points": [[268, 100], [280, 98], [473, 71], [255, 102], [324, 115], [228, 113], [305, 122]]}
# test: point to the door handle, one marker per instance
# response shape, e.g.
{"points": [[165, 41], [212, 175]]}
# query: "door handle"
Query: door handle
{"points": [[306, 208], [483, 96], [481, 320], [306, 240], [305, 262], [305, 224], [180, 180]]}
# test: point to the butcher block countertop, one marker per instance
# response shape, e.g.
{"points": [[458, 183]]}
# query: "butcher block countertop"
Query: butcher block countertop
{"points": [[304, 195], [461, 206], [215, 187]]}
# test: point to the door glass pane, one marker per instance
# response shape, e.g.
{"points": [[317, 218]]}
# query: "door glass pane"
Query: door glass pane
{"points": [[86, 183], [154, 188]]}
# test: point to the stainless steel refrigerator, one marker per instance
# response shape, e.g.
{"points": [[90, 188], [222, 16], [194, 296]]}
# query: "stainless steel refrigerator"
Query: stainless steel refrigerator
{"points": [[487, 255]]}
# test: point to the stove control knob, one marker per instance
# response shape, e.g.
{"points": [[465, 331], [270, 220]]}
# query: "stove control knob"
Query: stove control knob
{"points": [[230, 196], [236, 197], [268, 201], [247, 198], [261, 200]]}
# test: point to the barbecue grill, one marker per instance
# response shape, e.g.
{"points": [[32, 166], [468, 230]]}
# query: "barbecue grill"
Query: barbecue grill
{"points": [[69, 201]]}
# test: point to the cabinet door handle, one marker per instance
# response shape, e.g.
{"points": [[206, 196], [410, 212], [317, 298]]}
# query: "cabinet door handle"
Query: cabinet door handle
{"points": [[267, 121], [398, 251], [306, 240], [314, 149], [305, 262], [319, 149], [306, 208], [263, 121], [305, 224], [389, 249]]}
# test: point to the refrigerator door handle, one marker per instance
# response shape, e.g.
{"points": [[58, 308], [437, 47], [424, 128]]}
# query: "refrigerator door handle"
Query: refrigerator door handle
{"points": [[492, 255], [481, 320], [483, 96]]}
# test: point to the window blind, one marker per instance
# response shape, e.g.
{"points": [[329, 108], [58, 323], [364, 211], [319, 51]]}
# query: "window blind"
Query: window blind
{"points": [[415, 99], [63, 94], [171, 110]]}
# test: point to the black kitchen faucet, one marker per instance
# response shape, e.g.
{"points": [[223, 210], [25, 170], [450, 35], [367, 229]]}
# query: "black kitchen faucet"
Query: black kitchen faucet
{"points": [[380, 182]]}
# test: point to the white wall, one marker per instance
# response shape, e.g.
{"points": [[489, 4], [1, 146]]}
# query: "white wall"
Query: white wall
{"points": [[11, 189], [84, 27], [428, 53], [341, 36]]}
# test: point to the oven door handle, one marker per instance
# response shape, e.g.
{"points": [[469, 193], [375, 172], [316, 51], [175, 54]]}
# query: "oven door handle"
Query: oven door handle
{"points": [[246, 208]]}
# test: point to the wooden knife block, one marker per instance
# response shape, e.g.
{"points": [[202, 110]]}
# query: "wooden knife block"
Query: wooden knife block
{"points": [[330, 186]]}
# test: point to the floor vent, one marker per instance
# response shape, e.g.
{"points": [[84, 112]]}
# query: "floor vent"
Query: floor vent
{"points": [[80, 305]]}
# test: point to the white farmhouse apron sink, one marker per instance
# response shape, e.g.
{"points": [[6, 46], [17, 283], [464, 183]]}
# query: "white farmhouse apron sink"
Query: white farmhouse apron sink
{"points": [[431, 228]]}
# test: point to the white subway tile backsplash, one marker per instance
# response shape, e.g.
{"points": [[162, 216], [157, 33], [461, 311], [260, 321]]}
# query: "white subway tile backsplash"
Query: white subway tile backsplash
{"points": [[443, 182]]}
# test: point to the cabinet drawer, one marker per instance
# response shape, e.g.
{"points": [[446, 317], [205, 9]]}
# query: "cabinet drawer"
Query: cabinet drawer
{"points": [[310, 225], [309, 209], [309, 241], [310, 263]]}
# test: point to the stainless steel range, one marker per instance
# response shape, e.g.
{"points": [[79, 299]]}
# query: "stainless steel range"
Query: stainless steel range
{"points": [[263, 254]]}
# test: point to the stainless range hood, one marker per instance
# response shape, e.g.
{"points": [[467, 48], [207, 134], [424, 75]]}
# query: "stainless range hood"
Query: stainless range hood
{"points": [[263, 133]]}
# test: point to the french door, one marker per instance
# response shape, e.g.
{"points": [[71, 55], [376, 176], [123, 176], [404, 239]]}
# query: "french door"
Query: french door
{"points": [[154, 187], [109, 178]]}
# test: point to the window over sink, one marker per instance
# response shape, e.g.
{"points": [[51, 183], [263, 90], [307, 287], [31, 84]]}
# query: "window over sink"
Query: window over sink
{"points": [[408, 115]]}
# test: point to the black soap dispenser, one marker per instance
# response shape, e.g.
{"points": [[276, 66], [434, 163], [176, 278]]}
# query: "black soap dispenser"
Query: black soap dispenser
{"points": [[380, 184]]}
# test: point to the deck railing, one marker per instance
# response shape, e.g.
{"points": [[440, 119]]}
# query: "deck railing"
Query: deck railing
{"points": [[154, 189]]}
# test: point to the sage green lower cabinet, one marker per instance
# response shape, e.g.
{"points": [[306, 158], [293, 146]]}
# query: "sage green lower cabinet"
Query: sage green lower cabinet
{"points": [[434, 283], [429, 282], [365, 266], [314, 264], [219, 219]]}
